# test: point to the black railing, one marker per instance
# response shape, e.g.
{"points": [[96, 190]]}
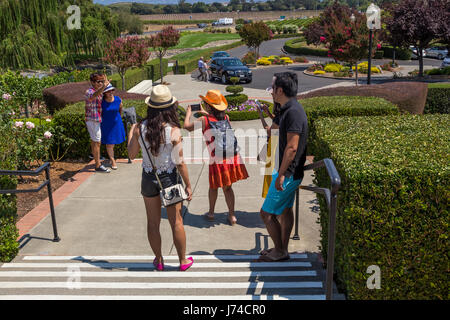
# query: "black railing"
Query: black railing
{"points": [[331, 199], [46, 167]]}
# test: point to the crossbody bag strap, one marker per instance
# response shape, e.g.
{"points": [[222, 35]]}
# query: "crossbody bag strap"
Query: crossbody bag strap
{"points": [[150, 158]]}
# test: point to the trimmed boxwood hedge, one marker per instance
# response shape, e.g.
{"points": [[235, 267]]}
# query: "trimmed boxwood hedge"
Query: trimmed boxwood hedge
{"points": [[438, 99], [393, 203], [9, 246], [151, 71], [339, 106], [72, 118], [295, 46]]}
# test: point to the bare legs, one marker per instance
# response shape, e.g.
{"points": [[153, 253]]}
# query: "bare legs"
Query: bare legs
{"points": [[229, 199], [153, 208], [110, 151], [95, 149], [279, 229]]}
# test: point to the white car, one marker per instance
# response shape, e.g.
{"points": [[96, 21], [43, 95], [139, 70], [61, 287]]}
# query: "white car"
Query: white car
{"points": [[414, 55], [446, 62]]}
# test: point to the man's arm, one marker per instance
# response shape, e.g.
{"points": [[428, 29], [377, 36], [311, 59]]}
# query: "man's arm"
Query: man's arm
{"points": [[288, 157], [99, 91]]}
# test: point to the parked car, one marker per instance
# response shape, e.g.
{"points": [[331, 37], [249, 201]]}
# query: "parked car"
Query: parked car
{"points": [[219, 54], [414, 55], [202, 25], [225, 67], [436, 52], [446, 62]]}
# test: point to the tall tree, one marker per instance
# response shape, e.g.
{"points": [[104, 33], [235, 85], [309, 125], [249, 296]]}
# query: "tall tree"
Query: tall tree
{"points": [[418, 23], [126, 53], [254, 34], [162, 41]]}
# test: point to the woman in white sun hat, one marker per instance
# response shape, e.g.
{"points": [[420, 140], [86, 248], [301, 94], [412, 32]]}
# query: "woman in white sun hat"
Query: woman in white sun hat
{"points": [[160, 133]]}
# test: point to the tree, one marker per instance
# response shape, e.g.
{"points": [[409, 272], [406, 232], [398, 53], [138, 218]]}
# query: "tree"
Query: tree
{"points": [[126, 53], [162, 41], [254, 34], [313, 32], [418, 23]]}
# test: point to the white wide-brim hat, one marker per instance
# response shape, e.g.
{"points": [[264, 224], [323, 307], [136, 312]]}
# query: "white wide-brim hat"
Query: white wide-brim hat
{"points": [[160, 98]]}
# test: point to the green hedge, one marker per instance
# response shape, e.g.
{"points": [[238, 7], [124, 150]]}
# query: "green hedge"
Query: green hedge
{"points": [[9, 246], [438, 99], [72, 118], [400, 54], [393, 203], [296, 46], [151, 71], [339, 106]]}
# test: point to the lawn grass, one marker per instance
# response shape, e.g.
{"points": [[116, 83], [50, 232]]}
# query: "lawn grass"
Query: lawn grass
{"points": [[199, 39], [439, 85]]}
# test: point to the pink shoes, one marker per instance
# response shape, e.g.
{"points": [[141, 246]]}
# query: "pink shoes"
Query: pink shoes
{"points": [[158, 266], [184, 267]]}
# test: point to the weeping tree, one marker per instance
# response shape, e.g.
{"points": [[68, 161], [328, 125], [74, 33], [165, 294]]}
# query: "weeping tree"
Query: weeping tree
{"points": [[34, 33]]}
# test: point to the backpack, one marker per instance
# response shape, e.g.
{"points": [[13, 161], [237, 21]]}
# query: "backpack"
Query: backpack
{"points": [[224, 139]]}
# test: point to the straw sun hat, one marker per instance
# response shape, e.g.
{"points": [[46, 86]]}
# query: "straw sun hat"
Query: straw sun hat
{"points": [[215, 99], [160, 98]]}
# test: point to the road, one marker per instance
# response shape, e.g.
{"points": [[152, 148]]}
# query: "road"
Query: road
{"points": [[262, 78]]}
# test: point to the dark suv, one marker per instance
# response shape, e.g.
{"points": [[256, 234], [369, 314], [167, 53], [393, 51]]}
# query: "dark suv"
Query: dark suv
{"points": [[225, 67]]}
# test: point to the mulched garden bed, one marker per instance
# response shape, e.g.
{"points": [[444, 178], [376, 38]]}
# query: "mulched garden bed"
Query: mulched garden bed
{"points": [[60, 173]]}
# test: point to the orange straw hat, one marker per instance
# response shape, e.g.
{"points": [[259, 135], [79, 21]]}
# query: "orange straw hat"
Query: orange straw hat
{"points": [[215, 99]]}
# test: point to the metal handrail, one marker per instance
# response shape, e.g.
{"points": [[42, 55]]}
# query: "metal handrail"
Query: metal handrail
{"points": [[46, 167], [331, 199]]}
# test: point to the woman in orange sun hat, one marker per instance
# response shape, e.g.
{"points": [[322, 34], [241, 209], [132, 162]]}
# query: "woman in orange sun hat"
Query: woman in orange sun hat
{"points": [[226, 169]]}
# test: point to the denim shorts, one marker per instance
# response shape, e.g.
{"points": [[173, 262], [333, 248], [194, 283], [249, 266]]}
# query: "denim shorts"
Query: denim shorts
{"points": [[277, 201], [150, 186]]}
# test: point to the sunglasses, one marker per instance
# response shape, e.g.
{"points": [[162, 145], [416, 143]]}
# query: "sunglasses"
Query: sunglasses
{"points": [[100, 81], [270, 89]]}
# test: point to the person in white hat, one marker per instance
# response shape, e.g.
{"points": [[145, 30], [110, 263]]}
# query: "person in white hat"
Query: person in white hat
{"points": [[160, 133]]}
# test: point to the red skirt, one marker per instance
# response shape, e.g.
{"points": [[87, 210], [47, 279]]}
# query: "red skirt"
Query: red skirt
{"points": [[227, 172]]}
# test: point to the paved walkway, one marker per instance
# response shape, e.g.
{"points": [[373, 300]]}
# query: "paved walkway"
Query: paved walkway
{"points": [[102, 225]]}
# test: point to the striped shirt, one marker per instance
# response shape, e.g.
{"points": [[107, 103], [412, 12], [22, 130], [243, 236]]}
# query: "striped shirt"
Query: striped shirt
{"points": [[93, 108]]}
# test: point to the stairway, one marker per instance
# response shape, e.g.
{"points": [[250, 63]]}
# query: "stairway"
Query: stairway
{"points": [[212, 277]]}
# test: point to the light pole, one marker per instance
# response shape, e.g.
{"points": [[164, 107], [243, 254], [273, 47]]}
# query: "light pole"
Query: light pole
{"points": [[373, 14]]}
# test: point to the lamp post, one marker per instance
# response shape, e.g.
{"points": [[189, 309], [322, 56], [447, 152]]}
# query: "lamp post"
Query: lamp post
{"points": [[373, 14]]}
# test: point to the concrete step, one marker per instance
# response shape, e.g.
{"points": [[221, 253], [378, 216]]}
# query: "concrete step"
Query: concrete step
{"points": [[212, 277], [144, 87]]}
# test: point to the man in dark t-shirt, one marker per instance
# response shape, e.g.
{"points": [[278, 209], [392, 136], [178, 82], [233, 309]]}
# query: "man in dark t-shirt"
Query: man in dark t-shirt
{"points": [[276, 211]]}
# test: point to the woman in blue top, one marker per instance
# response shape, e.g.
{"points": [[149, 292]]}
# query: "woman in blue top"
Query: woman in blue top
{"points": [[112, 128]]}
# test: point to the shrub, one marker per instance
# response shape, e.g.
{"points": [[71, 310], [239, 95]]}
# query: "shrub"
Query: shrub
{"points": [[438, 100], [438, 71], [319, 72], [333, 67], [393, 204], [234, 89], [9, 246], [298, 47], [315, 67], [236, 99], [400, 54], [263, 62], [301, 59], [340, 106], [246, 111], [72, 119], [249, 58], [341, 74]]}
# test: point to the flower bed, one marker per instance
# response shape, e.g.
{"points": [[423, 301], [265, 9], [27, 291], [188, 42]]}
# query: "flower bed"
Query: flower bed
{"points": [[274, 60], [246, 111]]}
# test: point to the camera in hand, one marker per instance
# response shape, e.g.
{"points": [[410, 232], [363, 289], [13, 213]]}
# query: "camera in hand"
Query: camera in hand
{"points": [[195, 107]]}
